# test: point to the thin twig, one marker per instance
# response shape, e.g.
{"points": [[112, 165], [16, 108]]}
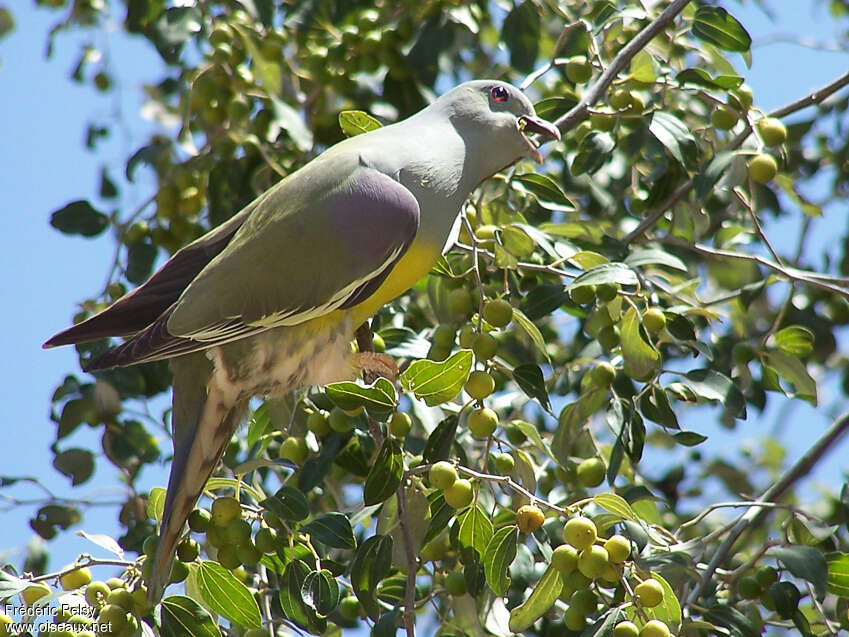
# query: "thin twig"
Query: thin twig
{"points": [[757, 511], [412, 564]]}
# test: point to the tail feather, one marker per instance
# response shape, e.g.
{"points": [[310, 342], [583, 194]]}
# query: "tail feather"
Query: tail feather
{"points": [[203, 423]]}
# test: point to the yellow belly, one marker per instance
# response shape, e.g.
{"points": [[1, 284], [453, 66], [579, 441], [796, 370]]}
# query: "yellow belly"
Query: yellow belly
{"points": [[416, 262]]}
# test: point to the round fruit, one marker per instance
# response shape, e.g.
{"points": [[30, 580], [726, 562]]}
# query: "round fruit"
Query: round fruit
{"points": [[460, 302], [96, 594], [580, 532], [479, 385], [498, 312], [482, 422], [602, 375], [443, 336], [151, 542], [400, 424], [620, 98], [75, 579], [606, 292], [484, 346], [576, 580], [34, 592], [603, 121], [591, 472], [237, 532], [442, 474], [785, 596], [749, 588], [649, 593], [199, 520], [455, 583], [121, 597], [578, 69], [515, 435], [618, 548], [248, 554], [349, 608], [188, 550], [724, 118], [266, 540], [317, 423], [113, 615], [762, 168], [574, 619], [772, 131], [339, 420], [529, 518], [584, 601], [115, 583], [564, 559], [225, 510], [626, 629], [294, 449], [608, 337], [467, 337], [459, 494], [593, 561], [504, 464], [654, 319], [582, 294], [766, 576], [743, 96], [655, 628], [228, 557]]}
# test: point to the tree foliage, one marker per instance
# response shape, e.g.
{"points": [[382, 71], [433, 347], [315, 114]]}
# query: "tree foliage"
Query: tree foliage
{"points": [[594, 310]]}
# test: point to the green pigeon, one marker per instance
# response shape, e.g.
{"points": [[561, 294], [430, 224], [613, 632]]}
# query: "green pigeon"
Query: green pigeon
{"points": [[269, 301]]}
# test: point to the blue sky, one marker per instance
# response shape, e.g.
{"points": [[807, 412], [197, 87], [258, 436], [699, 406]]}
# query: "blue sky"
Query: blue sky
{"points": [[43, 165]]}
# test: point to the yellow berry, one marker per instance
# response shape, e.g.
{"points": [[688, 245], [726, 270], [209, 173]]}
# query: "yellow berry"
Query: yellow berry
{"points": [[529, 518], [649, 593], [580, 532]]}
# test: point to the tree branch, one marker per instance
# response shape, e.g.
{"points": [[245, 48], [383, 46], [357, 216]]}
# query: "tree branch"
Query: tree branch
{"points": [[756, 512]]}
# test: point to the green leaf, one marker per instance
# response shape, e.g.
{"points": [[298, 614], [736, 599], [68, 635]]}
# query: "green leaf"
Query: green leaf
{"points": [[804, 562], [371, 564], [640, 358], [497, 557], [79, 217], [655, 406], [593, 152], [795, 340], [356, 122], [140, 259], [675, 136], [333, 529], [387, 625], [520, 32], [545, 190], [542, 598], [642, 67], [176, 25], [385, 474], [259, 424], [707, 178], [735, 622], [7, 22], [654, 256], [378, 398], [288, 119], [718, 27], [551, 108], [532, 433], [440, 440], [711, 385], [616, 504], [606, 273], [838, 573], [289, 503], [156, 503], [182, 616], [543, 300], [225, 594], [689, 438], [793, 371], [529, 378], [291, 598], [475, 529], [520, 319], [77, 464], [436, 383], [320, 591]]}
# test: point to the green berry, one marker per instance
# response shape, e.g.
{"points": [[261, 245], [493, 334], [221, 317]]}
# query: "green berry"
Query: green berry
{"points": [[772, 131], [485, 346], [514, 434], [574, 620], [604, 122], [467, 337], [749, 588], [602, 375], [582, 294], [113, 615], [443, 336], [606, 292], [564, 559], [188, 550], [237, 532], [591, 472], [151, 542], [228, 557], [626, 629], [400, 424], [593, 561], [483, 422], [762, 168], [649, 593], [580, 532], [225, 510], [620, 98], [455, 583], [498, 312], [460, 302], [504, 464], [350, 608], [121, 597], [96, 594], [584, 601], [75, 579], [578, 69], [318, 423], [724, 118], [199, 520], [618, 548], [459, 494], [294, 448], [655, 628], [766, 576], [248, 554], [340, 421], [265, 540], [442, 474], [479, 385]]}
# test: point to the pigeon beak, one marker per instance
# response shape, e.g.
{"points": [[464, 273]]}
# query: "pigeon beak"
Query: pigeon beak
{"points": [[533, 124]]}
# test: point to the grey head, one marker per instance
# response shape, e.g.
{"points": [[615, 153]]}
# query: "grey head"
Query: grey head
{"points": [[495, 118]]}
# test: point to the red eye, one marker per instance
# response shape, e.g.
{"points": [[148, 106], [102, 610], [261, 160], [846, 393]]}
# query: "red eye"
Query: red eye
{"points": [[499, 93]]}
